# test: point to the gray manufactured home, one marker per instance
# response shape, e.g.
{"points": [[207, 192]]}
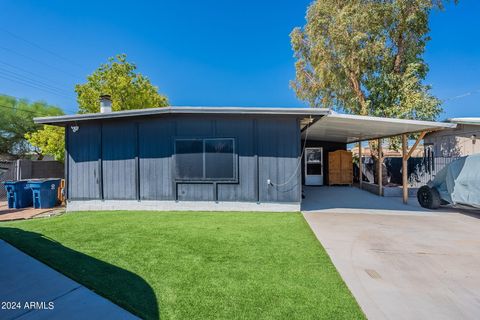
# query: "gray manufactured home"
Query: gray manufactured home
{"points": [[207, 158]]}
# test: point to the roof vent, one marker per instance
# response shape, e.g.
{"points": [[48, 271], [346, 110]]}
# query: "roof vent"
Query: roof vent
{"points": [[105, 103]]}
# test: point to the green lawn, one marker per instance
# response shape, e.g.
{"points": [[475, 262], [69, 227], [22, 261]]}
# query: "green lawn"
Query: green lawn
{"points": [[193, 265]]}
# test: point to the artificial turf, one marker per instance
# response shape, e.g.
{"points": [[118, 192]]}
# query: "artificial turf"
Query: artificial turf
{"points": [[193, 265]]}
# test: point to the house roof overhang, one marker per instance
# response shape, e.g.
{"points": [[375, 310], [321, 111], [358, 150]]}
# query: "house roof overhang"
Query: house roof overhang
{"points": [[470, 120], [300, 112], [316, 123]]}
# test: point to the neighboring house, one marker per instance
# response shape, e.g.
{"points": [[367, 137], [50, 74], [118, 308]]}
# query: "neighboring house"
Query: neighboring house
{"points": [[387, 152], [207, 158], [455, 142]]}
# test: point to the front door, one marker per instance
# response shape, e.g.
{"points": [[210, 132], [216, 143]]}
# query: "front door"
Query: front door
{"points": [[313, 166]]}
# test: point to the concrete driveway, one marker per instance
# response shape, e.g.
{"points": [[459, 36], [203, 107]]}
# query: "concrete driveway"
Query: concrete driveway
{"points": [[400, 262]]}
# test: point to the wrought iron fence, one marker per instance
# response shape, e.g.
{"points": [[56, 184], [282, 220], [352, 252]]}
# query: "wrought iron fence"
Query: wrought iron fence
{"points": [[420, 169], [427, 169]]}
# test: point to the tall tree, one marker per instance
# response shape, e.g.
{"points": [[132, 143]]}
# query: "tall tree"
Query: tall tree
{"points": [[366, 57], [16, 119], [118, 78]]}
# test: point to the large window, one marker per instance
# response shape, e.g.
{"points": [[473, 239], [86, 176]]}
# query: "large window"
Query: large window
{"points": [[205, 159]]}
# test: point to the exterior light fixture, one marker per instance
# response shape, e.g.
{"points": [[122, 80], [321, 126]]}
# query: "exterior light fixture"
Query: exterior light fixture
{"points": [[75, 128]]}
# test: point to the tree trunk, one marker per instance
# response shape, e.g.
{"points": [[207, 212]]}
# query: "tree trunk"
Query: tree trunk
{"points": [[400, 53], [359, 93]]}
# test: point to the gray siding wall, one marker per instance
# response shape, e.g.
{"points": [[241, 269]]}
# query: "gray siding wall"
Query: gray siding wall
{"points": [[138, 157], [278, 151], [119, 144], [83, 162], [156, 165], [244, 132]]}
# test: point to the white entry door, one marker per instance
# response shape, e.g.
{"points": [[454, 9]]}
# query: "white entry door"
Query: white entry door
{"points": [[313, 166]]}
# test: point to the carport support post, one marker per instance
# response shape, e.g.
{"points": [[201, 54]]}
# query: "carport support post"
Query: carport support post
{"points": [[404, 168], [379, 164], [360, 174]]}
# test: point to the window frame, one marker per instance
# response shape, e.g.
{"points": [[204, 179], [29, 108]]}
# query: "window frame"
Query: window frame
{"points": [[234, 179]]}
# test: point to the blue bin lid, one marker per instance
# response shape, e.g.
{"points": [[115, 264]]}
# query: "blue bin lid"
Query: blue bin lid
{"points": [[42, 180], [11, 182]]}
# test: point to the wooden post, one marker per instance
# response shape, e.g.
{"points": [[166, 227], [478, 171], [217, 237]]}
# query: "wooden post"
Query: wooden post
{"points": [[360, 174], [404, 168], [379, 164], [416, 144]]}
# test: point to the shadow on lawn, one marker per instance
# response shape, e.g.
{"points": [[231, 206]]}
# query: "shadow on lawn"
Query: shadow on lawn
{"points": [[121, 286]]}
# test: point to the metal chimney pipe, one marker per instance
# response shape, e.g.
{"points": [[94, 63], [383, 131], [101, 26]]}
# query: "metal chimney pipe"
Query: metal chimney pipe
{"points": [[105, 103]]}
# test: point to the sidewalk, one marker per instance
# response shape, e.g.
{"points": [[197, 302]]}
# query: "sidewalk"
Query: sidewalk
{"points": [[39, 292], [7, 214]]}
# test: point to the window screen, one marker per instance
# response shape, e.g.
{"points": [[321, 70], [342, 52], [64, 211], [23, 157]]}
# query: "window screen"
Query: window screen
{"points": [[219, 159], [205, 159], [189, 159]]}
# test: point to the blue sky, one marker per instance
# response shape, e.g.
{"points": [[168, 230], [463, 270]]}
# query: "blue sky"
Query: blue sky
{"points": [[201, 52]]}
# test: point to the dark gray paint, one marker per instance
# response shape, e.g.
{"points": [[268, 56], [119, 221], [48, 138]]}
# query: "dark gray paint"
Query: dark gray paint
{"points": [[118, 160], [267, 148], [195, 192], [278, 151], [243, 132], [83, 155], [155, 151]]}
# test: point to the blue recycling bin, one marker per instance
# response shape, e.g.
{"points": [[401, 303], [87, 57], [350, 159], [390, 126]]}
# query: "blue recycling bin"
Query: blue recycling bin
{"points": [[44, 192], [19, 195]]}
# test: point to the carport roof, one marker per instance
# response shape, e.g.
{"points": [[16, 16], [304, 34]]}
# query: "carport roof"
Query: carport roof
{"points": [[351, 128]]}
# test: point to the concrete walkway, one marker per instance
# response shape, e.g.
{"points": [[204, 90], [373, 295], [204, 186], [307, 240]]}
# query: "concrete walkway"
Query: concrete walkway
{"points": [[7, 214], [401, 262], [34, 288]]}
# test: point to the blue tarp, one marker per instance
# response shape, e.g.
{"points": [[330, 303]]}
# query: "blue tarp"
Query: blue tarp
{"points": [[459, 182]]}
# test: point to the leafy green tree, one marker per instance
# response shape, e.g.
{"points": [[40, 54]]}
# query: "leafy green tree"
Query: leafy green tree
{"points": [[16, 119], [128, 89], [118, 78], [366, 57], [49, 140]]}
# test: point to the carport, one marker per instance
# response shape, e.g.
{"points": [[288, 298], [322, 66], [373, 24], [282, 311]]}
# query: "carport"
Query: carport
{"points": [[343, 128]]}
